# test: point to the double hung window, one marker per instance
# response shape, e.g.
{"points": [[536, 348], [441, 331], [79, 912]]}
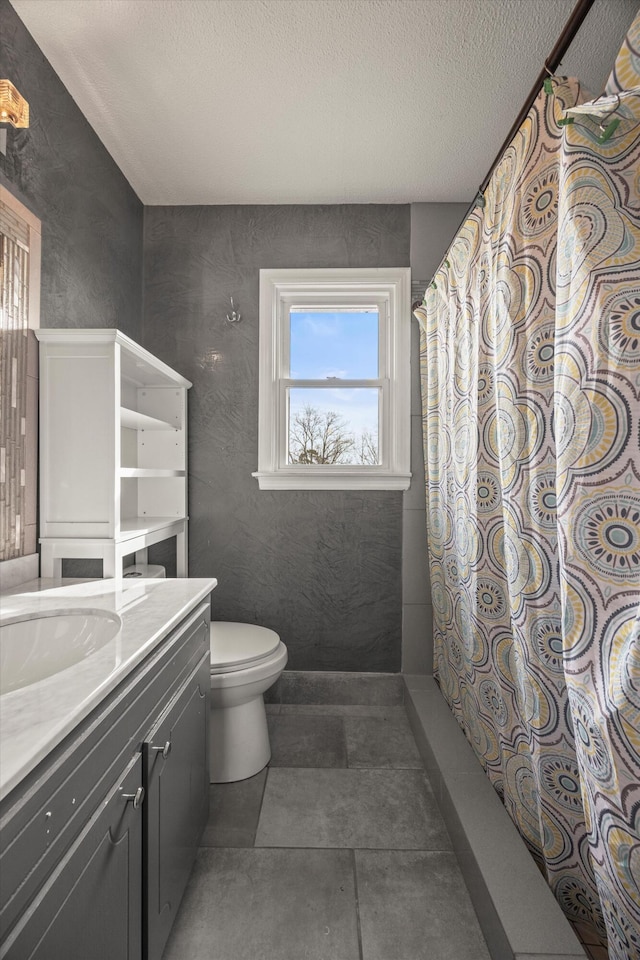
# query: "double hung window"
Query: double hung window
{"points": [[334, 379]]}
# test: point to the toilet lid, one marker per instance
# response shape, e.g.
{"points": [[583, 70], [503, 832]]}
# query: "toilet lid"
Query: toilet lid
{"points": [[240, 643]]}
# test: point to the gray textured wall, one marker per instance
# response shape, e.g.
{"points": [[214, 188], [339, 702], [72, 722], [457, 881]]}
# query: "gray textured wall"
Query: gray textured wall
{"points": [[433, 228], [91, 218], [322, 568]]}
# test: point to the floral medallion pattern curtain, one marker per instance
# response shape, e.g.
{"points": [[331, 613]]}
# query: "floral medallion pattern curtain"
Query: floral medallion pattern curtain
{"points": [[531, 395], [597, 382]]}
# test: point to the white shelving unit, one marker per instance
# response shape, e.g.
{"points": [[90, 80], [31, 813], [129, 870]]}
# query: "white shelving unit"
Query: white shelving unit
{"points": [[113, 449]]}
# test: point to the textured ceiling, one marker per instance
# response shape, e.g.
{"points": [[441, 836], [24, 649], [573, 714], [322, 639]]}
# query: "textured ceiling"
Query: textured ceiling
{"points": [[310, 101]]}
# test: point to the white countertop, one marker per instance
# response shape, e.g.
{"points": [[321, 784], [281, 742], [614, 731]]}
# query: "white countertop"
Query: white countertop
{"points": [[35, 718]]}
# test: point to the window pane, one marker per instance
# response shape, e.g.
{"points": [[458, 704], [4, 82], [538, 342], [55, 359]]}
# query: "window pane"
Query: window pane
{"points": [[342, 343], [333, 425]]}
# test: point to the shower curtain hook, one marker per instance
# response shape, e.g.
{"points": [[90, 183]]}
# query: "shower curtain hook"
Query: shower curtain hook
{"points": [[612, 126], [547, 86]]}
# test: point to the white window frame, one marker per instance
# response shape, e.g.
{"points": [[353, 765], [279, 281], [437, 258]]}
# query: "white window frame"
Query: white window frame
{"points": [[389, 289]]}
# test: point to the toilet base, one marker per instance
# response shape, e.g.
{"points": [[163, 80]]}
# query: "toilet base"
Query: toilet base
{"points": [[238, 741]]}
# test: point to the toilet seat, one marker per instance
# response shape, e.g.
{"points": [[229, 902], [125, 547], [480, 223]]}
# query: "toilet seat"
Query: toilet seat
{"points": [[236, 646]]}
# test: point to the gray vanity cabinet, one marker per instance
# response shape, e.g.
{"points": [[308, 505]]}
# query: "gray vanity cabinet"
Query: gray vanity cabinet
{"points": [[177, 804], [97, 882], [90, 869]]}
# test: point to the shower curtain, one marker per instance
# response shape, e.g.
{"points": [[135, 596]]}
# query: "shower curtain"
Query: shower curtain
{"points": [[530, 357]]}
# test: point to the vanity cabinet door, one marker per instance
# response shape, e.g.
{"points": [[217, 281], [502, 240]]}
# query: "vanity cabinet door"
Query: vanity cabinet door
{"points": [[176, 759], [90, 905]]}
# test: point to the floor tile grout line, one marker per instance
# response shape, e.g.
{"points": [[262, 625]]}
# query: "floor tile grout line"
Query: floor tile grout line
{"points": [[357, 903], [346, 745], [264, 790], [387, 768], [231, 846], [447, 850]]}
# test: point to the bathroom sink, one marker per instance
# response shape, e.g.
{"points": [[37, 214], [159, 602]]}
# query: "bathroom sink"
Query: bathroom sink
{"points": [[34, 648]]}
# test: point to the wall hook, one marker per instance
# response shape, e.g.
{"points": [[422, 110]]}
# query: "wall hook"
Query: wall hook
{"points": [[235, 316]]}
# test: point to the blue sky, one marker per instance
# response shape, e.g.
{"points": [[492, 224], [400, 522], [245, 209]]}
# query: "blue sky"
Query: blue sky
{"points": [[334, 345], [341, 345]]}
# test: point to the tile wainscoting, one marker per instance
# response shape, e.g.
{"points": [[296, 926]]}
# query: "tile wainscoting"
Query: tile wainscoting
{"points": [[19, 570]]}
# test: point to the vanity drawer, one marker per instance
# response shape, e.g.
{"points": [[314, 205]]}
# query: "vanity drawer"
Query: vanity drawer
{"points": [[42, 817]]}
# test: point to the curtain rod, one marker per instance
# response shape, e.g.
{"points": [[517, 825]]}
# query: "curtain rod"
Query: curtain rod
{"points": [[553, 61]]}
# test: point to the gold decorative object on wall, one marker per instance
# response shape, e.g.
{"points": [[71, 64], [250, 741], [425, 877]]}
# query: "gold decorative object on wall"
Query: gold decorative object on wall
{"points": [[14, 109]]}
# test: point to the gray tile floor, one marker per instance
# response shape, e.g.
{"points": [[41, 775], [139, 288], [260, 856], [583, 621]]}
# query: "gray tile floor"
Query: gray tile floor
{"points": [[336, 851]]}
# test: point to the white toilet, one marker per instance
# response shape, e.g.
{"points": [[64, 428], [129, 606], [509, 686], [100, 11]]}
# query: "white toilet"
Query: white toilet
{"points": [[245, 661]]}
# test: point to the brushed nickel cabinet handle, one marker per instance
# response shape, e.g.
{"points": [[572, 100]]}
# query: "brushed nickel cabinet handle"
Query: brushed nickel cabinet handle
{"points": [[165, 751], [137, 797]]}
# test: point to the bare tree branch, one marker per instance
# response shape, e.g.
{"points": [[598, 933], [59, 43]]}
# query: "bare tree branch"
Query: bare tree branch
{"points": [[317, 437], [368, 448]]}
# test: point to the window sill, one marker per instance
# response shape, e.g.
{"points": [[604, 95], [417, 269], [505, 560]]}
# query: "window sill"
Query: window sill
{"points": [[332, 480]]}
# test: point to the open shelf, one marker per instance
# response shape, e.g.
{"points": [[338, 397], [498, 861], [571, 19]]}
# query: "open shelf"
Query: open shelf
{"points": [[133, 527], [133, 420], [150, 472], [113, 429]]}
